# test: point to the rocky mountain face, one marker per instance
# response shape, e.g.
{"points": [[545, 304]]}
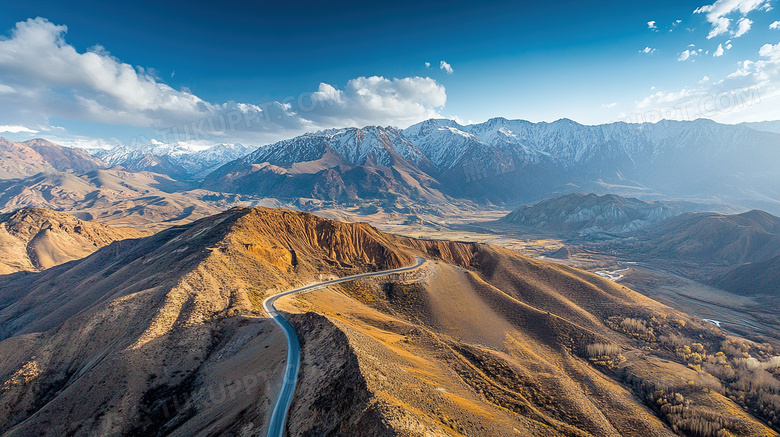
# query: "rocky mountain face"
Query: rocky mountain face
{"points": [[175, 160], [590, 213], [35, 239], [20, 160], [342, 165], [166, 335], [505, 160]]}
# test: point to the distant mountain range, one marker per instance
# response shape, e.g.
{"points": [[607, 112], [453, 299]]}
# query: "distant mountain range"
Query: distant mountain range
{"points": [[590, 213], [341, 165], [175, 160], [501, 161], [768, 126], [510, 161]]}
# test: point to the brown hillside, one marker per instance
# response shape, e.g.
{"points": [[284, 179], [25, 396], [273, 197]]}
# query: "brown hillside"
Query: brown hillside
{"points": [[19, 160], [112, 196], [165, 336], [504, 348], [709, 237], [37, 239]]}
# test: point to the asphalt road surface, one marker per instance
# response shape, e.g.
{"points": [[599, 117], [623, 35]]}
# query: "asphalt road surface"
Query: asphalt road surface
{"points": [[279, 416]]}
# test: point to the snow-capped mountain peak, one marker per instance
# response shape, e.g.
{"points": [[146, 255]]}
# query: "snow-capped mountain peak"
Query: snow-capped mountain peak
{"points": [[181, 160]]}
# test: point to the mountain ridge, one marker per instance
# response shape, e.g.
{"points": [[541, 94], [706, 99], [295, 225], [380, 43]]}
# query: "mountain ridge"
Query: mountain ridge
{"points": [[506, 161], [28, 158], [591, 213], [175, 160]]}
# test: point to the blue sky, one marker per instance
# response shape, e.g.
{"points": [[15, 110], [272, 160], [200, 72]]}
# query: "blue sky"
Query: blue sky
{"points": [[98, 73]]}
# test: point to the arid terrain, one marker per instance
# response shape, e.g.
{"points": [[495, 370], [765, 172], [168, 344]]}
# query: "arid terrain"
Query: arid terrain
{"points": [[482, 341], [392, 219], [35, 239]]}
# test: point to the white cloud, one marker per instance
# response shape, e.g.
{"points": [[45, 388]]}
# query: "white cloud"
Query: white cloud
{"points": [[728, 45], [775, 25], [37, 62], [743, 26], [651, 25], [43, 76], [719, 26], [427, 65], [647, 50], [377, 100], [609, 105], [770, 51], [717, 12], [446, 67], [751, 92], [687, 54], [661, 97], [15, 129], [719, 52]]}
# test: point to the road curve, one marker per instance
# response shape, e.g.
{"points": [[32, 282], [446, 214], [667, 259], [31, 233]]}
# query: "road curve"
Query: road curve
{"points": [[279, 415]]}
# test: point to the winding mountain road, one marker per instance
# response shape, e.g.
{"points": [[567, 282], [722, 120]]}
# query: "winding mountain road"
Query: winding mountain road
{"points": [[279, 416]]}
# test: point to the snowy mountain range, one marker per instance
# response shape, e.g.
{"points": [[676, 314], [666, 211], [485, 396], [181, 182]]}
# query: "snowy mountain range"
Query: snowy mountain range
{"points": [[182, 161], [338, 164], [513, 161]]}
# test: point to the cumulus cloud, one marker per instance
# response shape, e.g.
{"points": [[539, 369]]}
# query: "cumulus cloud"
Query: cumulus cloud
{"points": [[44, 76], [770, 51], [743, 26], [687, 54], [775, 25], [427, 65], [717, 13], [719, 26], [377, 100], [446, 67], [719, 51], [651, 25], [647, 50], [37, 62]]}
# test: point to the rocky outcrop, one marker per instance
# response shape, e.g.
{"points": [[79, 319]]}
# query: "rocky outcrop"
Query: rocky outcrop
{"points": [[590, 213]]}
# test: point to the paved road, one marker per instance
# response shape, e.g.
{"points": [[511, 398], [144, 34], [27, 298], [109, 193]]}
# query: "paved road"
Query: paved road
{"points": [[279, 416]]}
